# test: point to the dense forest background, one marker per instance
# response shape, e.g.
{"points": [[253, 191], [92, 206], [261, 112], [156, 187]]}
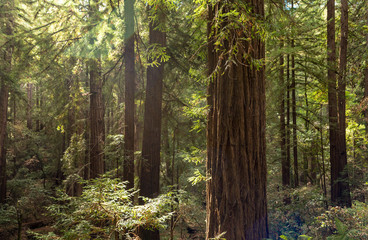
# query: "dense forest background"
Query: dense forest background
{"points": [[156, 119]]}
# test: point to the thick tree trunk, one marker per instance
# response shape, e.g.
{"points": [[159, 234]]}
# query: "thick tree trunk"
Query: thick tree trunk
{"points": [[285, 168], [6, 54], [236, 161], [128, 169], [150, 168], [96, 121], [343, 189]]}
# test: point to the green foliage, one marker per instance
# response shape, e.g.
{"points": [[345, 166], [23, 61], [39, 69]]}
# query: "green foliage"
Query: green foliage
{"points": [[104, 208], [342, 223]]}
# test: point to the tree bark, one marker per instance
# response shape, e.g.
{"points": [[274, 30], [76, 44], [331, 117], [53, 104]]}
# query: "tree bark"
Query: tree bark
{"points": [[96, 120], [128, 169], [6, 54], [285, 168], [236, 160], [29, 105], [343, 192], [293, 104], [150, 168]]}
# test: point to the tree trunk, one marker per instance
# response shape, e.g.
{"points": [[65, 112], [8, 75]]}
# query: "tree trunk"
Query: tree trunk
{"points": [[4, 95], [343, 190], [96, 120], [236, 160], [288, 145], [293, 104], [366, 84], [29, 105], [285, 169], [128, 169], [150, 168]]}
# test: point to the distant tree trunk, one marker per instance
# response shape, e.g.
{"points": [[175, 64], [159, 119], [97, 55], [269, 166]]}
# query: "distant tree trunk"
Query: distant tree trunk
{"points": [[288, 144], [6, 54], [343, 190], [285, 169], [150, 168], [128, 169], [96, 120], [293, 104], [29, 105], [236, 159]]}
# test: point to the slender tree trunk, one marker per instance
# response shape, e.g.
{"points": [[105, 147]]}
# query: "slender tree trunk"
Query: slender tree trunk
{"points": [[332, 99], [29, 105], [293, 104], [343, 197], [236, 161], [128, 169], [150, 168], [288, 144], [285, 169]]}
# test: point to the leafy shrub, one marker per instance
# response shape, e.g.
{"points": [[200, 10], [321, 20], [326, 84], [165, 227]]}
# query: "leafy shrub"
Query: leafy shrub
{"points": [[104, 209], [342, 223]]}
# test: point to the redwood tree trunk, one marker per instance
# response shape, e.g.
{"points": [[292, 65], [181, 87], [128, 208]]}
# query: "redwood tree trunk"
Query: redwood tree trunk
{"points": [[29, 105], [332, 98], [6, 54], [96, 115], [343, 189], [293, 104], [285, 168], [236, 160], [150, 168], [128, 169]]}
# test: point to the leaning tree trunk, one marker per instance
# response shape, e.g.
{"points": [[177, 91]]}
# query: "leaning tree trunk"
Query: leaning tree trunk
{"points": [[150, 168], [236, 160], [128, 168], [343, 189]]}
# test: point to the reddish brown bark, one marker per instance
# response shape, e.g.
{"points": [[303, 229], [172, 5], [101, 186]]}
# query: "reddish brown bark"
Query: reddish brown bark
{"points": [[151, 147], [128, 169], [342, 183], [96, 115], [236, 162], [6, 55]]}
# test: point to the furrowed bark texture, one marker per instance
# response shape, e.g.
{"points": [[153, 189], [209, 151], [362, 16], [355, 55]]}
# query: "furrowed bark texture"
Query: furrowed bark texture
{"points": [[128, 168], [332, 98], [96, 121], [343, 189], [150, 168], [6, 54], [236, 162]]}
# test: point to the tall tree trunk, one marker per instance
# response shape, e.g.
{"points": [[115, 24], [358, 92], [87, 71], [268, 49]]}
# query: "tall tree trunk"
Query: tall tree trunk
{"points": [[150, 168], [332, 99], [285, 169], [96, 120], [236, 160], [6, 54], [343, 192], [128, 169], [293, 104], [288, 144]]}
